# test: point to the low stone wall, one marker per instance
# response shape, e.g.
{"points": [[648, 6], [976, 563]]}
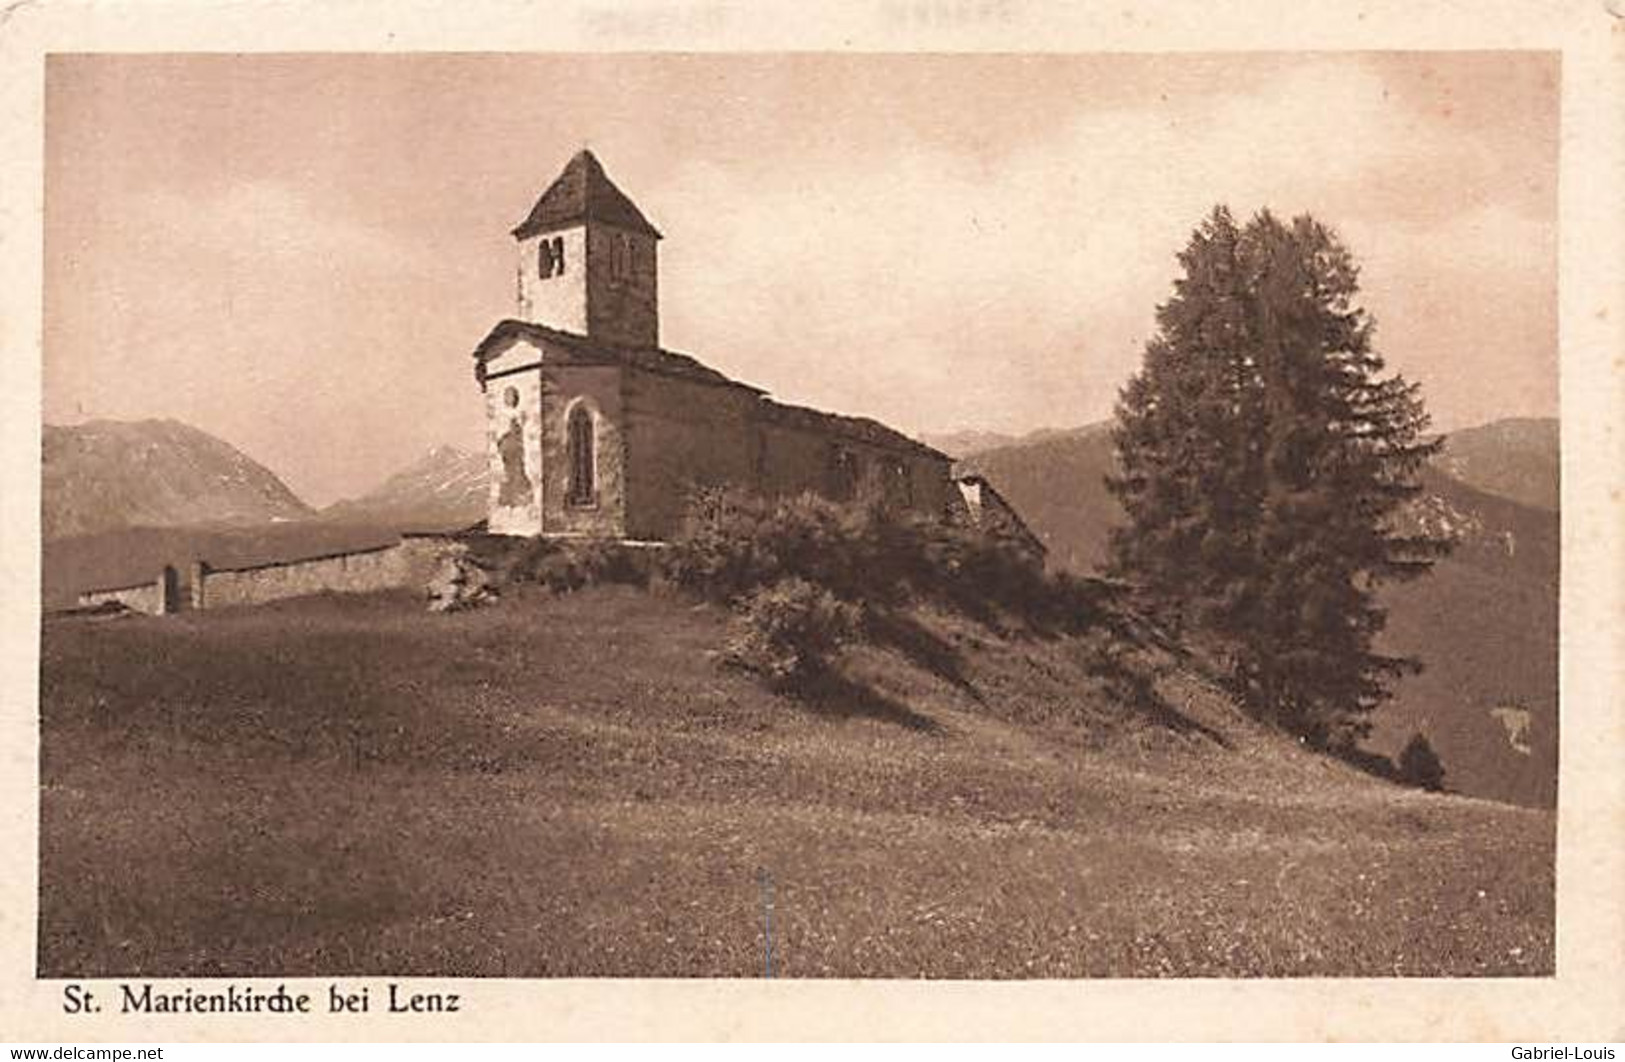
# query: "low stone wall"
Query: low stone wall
{"points": [[158, 597], [408, 563], [143, 597]]}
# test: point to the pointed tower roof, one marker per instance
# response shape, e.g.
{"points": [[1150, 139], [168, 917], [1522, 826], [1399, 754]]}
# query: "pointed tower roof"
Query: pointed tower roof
{"points": [[583, 192]]}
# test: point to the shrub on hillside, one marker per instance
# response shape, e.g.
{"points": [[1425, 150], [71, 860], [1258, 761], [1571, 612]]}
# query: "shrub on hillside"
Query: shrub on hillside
{"points": [[805, 575], [786, 632], [1420, 766], [733, 544], [973, 571]]}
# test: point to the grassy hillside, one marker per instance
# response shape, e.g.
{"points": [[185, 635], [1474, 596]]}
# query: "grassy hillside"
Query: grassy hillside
{"points": [[569, 786], [1484, 623], [1490, 644]]}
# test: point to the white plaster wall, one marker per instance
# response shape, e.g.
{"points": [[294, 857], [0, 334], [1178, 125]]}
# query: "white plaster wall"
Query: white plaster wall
{"points": [[508, 516], [560, 301]]}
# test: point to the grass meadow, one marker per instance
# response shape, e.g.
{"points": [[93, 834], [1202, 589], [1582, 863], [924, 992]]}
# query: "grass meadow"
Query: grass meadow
{"points": [[569, 785]]}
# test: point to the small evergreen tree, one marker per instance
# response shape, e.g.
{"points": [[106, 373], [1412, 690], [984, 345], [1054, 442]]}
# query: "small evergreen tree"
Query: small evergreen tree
{"points": [[1263, 459], [1419, 765]]}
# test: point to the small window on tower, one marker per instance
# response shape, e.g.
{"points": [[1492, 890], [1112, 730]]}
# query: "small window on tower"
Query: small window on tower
{"points": [[620, 257], [545, 263], [558, 255]]}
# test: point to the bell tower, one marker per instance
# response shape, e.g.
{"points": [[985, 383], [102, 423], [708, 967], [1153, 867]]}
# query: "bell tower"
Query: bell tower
{"points": [[588, 260]]}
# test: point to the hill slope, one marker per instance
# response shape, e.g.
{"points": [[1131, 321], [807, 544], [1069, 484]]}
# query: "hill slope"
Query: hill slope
{"points": [[1515, 458], [1484, 623], [570, 786], [104, 475]]}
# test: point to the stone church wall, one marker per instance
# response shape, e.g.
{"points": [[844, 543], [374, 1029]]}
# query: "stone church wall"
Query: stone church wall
{"points": [[622, 296], [683, 434], [932, 487], [599, 389], [659, 436], [791, 460], [798, 455], [680, 435]]}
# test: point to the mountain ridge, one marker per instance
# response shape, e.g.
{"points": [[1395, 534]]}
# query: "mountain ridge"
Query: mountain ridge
{"points": [[444, 488], [104, 475], [1515, 457]]}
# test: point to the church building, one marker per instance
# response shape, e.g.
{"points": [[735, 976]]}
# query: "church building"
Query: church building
{"points": [[595, 430]]}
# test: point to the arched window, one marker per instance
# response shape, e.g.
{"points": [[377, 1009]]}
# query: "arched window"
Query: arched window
{"points": [[582, 490]]}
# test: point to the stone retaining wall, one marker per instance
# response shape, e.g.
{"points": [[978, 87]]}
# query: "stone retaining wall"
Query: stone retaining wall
{"points": [[408, 563], [156, 597]]}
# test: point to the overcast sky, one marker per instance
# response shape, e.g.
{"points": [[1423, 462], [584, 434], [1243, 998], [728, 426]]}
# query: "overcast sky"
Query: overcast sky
{"points": [[298, 254]]}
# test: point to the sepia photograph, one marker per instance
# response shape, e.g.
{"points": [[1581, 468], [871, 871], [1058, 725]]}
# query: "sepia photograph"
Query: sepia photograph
{"points": [[907, 516]]}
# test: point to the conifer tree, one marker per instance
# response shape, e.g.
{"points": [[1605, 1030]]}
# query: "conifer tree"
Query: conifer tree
{"points": [[1264, 461], [1420, 765]]}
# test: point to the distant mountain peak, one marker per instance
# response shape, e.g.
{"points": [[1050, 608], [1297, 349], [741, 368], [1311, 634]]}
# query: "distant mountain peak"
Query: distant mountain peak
{"points": [[971, 442], [160, 472], [444, 488]]}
